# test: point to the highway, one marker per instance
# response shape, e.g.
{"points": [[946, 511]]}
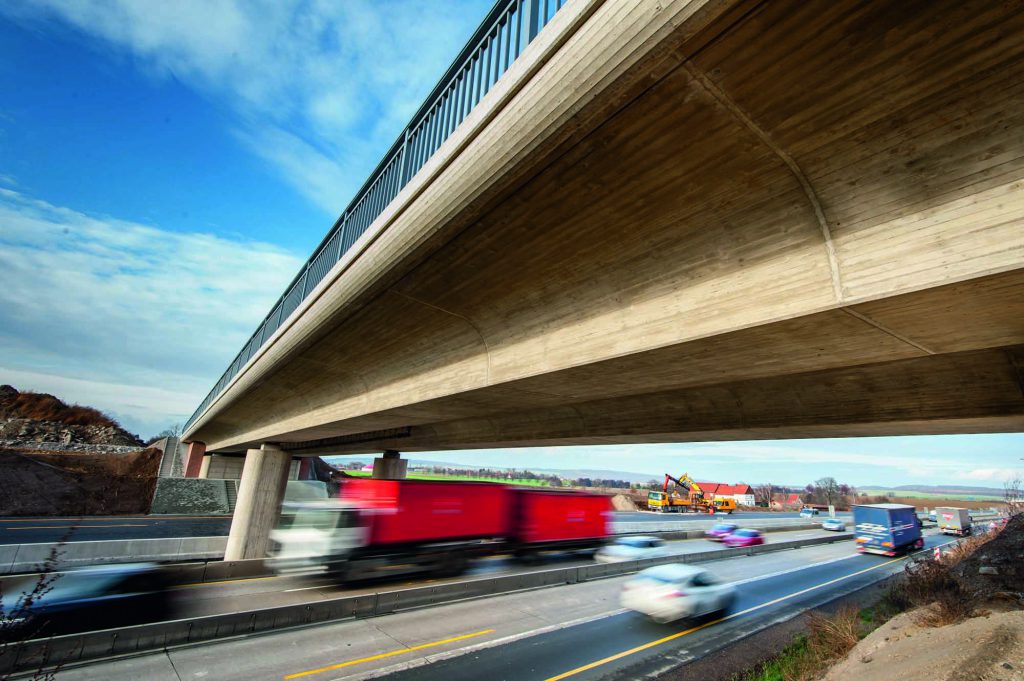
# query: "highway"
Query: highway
{"points": [[576, 631], [45, 530], [211, 598]]}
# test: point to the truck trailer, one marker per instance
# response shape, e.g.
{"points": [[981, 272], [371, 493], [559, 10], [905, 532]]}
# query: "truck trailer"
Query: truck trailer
{"points": [[953, 520], [401, 526], [886, 529]]}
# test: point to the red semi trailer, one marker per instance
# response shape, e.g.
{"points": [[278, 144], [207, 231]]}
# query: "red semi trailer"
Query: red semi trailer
{"points": [[437, 526]]}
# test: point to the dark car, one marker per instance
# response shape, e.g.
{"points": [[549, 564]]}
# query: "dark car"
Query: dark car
{"points": [[87, 599]]}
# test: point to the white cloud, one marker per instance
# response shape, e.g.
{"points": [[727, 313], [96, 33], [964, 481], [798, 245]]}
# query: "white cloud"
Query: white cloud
{"points": [[992, 474], [308, 79], [148, 318]]}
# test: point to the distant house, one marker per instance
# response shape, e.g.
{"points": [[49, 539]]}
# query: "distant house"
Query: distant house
{"points": [[743, 495], [782, 501]]}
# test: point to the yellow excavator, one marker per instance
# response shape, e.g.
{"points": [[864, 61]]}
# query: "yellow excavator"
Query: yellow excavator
{"points": [[671, 501]]}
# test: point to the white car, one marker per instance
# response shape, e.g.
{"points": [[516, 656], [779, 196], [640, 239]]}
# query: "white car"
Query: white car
{"points": [[631, 548], [670, 592]]}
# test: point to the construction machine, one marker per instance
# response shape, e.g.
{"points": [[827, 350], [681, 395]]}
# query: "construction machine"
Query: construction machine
{"points": [[670, 500]]}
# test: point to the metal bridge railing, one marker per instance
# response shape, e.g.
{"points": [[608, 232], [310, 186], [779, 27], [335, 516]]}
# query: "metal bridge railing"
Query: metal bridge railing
{"points": [[506, 31]]}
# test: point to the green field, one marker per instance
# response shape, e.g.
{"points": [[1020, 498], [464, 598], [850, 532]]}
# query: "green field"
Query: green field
{"points": [[415, 475], [930, 495]]}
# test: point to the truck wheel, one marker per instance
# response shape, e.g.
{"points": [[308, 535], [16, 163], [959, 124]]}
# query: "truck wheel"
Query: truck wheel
{"points": [[919, 544]]}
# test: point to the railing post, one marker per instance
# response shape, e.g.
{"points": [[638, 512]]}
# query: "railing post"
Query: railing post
{"points": [[341, 238], [305, 278], [404, 167], [531, 20]]}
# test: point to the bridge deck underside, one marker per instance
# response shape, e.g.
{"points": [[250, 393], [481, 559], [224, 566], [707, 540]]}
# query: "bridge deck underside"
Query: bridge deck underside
{"points": [[806, 220]]}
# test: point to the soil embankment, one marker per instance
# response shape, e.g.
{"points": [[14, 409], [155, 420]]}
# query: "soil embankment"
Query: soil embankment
{"points": [[74, 483]]}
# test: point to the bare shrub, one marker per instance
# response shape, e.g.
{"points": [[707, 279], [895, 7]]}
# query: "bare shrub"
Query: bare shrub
{"points": [[931, 585], [830, 638]]}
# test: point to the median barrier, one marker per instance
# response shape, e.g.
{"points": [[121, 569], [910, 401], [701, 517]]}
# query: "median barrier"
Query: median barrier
{"points": [[74, 648], [30, 557]]}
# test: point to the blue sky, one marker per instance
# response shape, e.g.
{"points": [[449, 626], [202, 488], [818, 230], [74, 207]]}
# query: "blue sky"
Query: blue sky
{"points": [[165, 168]]}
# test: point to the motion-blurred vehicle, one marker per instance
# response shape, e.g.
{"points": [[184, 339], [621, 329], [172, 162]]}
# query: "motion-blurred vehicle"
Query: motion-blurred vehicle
{"points": [[631, 548], [434, 526], [670, 592], [808, 512], [833, 525], [743, 537], [886, 529], [720, 531], [86, 599], [952, 520], [932, 516]]}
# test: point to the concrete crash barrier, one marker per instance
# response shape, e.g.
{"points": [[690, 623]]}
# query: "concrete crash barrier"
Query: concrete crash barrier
{"points": [[20, 558], [28, 558], [70, 649]]}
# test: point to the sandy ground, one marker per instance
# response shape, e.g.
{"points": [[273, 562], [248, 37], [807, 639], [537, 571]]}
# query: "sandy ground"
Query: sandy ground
{"points": [[987, 648]]}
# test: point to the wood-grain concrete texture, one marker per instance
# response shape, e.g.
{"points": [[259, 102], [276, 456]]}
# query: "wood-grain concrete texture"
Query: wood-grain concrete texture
{"points": [[693, 220]]}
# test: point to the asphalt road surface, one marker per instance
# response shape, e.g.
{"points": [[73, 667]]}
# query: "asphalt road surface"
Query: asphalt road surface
{"points": [[576, 631], [47, 530]]}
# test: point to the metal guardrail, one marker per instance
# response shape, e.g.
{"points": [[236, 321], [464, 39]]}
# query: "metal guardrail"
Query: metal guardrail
{"points": [[74, 648], [505, 32]]}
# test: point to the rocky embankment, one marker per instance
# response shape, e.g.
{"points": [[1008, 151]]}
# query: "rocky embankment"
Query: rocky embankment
{"points": [[40, 421]]}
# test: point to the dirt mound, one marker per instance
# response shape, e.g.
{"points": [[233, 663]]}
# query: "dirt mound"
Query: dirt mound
{"points": [[978, 649], [998, 565], [39, 417], [621, 502], [71, 483]]}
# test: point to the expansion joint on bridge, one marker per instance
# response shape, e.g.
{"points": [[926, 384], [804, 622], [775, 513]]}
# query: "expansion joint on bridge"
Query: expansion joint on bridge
{"points": [[884, 329], [712, 89], [487, 350]]}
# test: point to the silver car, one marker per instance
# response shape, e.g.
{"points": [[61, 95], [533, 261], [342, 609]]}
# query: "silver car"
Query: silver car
{"points": [[631, 548], [670, 592]]}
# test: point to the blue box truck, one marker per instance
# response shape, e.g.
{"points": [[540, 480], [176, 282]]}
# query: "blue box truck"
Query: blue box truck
{"points": [[887, 529]]}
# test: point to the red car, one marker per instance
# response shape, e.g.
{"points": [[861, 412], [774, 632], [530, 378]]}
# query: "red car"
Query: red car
{"points": [[741, 538]]}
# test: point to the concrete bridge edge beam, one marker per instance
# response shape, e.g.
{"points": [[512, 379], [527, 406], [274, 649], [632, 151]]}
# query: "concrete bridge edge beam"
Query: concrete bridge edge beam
{"points": [[260, 493]]}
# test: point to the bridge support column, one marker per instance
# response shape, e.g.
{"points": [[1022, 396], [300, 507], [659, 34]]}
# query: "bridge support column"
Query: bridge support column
{"points": [[390, 466], [204, 469], [305, 466], [194, 459], [260, 494]]}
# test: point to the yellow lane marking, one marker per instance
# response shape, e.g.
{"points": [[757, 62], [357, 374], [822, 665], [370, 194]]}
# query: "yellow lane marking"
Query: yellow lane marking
{"points": [[652, 644], [391, 654], [68, 527]]}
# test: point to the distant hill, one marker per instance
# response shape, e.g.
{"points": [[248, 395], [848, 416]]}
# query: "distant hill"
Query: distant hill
{"points": [[939, 489], [39, 417]]}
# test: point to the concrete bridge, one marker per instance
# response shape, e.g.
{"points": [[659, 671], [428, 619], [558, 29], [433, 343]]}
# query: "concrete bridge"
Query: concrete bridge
{"points": [[689, 220]]}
